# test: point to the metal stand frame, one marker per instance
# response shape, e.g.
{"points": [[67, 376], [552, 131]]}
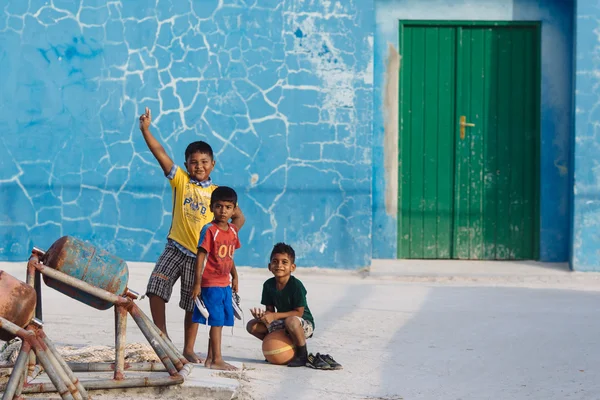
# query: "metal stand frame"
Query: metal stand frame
{"points": [[37, 347]]}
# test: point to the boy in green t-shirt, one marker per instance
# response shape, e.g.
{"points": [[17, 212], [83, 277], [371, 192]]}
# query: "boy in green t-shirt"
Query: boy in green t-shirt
{"points": [[285, 299]]}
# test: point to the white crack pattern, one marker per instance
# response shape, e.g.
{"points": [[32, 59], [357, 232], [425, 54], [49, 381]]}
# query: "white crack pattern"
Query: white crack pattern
{"points": [[282, 90]]}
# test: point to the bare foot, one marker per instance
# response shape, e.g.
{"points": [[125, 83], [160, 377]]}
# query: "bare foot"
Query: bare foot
{"points": [[192, 357], [223, 366]]}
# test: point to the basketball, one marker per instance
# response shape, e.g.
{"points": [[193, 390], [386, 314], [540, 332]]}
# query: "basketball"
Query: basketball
{"points": [[278, 348]]}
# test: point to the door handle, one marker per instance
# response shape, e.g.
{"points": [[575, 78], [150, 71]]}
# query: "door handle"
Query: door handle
{"points": [[463, 123]]}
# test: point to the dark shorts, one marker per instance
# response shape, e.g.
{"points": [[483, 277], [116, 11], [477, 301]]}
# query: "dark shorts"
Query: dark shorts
{"points": [[171, 265], [217, 301], [307, 327]]}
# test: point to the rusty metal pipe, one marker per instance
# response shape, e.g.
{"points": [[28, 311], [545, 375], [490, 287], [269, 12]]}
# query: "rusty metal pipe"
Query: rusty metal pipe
{"points": [[21, 384], [37, 285], [132, 294], [81, 285], [38, 252], [172, 350], [70, 375], [14, 329], [172, 356], [110, 384], [35, 371], [58, 383], [18, 372], [153, 366], [134, 382], [27, 348], [120, 332], [163, 336], [30, 278], [34, 280], [62, 373], [154, 342]]}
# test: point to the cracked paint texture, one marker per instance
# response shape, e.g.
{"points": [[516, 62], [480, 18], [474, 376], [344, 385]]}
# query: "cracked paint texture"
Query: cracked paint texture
{"points": [[585, 252], [556, 17], [282, 90]]}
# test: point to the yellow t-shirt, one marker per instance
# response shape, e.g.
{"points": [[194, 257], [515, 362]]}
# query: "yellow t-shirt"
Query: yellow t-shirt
{"points": [[191, 209]]}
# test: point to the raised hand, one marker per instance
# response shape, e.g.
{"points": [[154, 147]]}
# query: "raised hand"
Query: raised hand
{"points": [[145, 120]]}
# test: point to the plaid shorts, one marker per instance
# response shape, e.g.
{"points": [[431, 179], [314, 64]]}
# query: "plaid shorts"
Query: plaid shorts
{"points": [[171, 265], [280, 324]]}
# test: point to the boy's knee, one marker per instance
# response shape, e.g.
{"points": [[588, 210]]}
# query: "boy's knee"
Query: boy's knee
{"points": [[292, 323], [251, 325]]}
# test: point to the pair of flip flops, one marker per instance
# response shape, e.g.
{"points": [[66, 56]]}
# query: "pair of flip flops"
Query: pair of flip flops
{"points": [[235, 300], [322, 361]]}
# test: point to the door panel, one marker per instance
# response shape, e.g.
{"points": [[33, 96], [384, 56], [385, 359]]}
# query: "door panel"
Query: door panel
{"points": [[493, 210], [427, 153], [473, 197]]}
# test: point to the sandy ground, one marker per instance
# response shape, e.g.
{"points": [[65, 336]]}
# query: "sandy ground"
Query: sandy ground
{"points": [[406, 330]]}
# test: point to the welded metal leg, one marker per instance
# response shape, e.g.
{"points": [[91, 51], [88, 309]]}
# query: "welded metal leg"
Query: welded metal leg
{"points": [[120, 332], [173, 350], [21, 384], [64, 366], [30, 279], [153, 366], [166, 344], [52, 373], [19, 370], [111, 384], [62, 373], [154, 342], [38, 291], [32, 364]]}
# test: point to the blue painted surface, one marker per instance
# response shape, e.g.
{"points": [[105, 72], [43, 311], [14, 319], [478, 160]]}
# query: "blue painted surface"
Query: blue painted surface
{"points": [[282, 90], [586, 188], [556, 121]]}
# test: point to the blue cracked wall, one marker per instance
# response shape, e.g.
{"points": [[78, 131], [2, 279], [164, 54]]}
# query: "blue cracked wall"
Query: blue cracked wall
{"points": [[556, 17], [586, 189], [282, 90]]}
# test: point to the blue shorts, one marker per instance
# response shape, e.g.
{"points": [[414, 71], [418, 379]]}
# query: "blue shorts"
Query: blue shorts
{"points": [[218, 303]]}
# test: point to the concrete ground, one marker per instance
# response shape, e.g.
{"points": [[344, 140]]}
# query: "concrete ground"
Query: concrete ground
{"points": [[404, 330]]}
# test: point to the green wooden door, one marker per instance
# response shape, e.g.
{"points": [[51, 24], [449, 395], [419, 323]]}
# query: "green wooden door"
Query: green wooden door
{"points": [[469, 192]]}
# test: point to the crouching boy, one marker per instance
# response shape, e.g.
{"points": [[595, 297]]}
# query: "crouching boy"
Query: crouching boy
{"points": [[286, 308]]}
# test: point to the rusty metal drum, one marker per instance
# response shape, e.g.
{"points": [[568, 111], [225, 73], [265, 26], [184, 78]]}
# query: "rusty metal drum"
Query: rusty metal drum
{"points": [[85, 262], [17, 302]]}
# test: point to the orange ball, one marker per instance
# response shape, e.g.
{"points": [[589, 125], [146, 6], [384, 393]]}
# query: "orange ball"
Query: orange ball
{"points": [[278, 347]]}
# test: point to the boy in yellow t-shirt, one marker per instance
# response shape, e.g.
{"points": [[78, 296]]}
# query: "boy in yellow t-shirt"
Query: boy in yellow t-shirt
{"points": [[191, 199]]}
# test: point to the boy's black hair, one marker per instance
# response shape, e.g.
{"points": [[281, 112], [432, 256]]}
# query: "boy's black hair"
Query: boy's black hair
{"points": [[198, 147], [282, 248], [223, 193]]}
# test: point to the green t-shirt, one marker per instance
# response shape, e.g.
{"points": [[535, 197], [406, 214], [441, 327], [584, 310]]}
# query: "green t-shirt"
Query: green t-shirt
{"points": [[292, 296]]}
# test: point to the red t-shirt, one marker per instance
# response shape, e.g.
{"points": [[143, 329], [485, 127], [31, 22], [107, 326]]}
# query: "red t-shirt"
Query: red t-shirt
{"points": [[219, 245]]}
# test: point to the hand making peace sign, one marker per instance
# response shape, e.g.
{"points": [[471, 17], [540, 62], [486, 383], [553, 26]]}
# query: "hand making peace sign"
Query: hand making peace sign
{"points": [[145, 120]]}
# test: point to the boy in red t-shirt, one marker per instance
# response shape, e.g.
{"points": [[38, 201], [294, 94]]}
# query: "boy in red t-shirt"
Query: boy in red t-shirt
{"points": [[218, 241]]}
